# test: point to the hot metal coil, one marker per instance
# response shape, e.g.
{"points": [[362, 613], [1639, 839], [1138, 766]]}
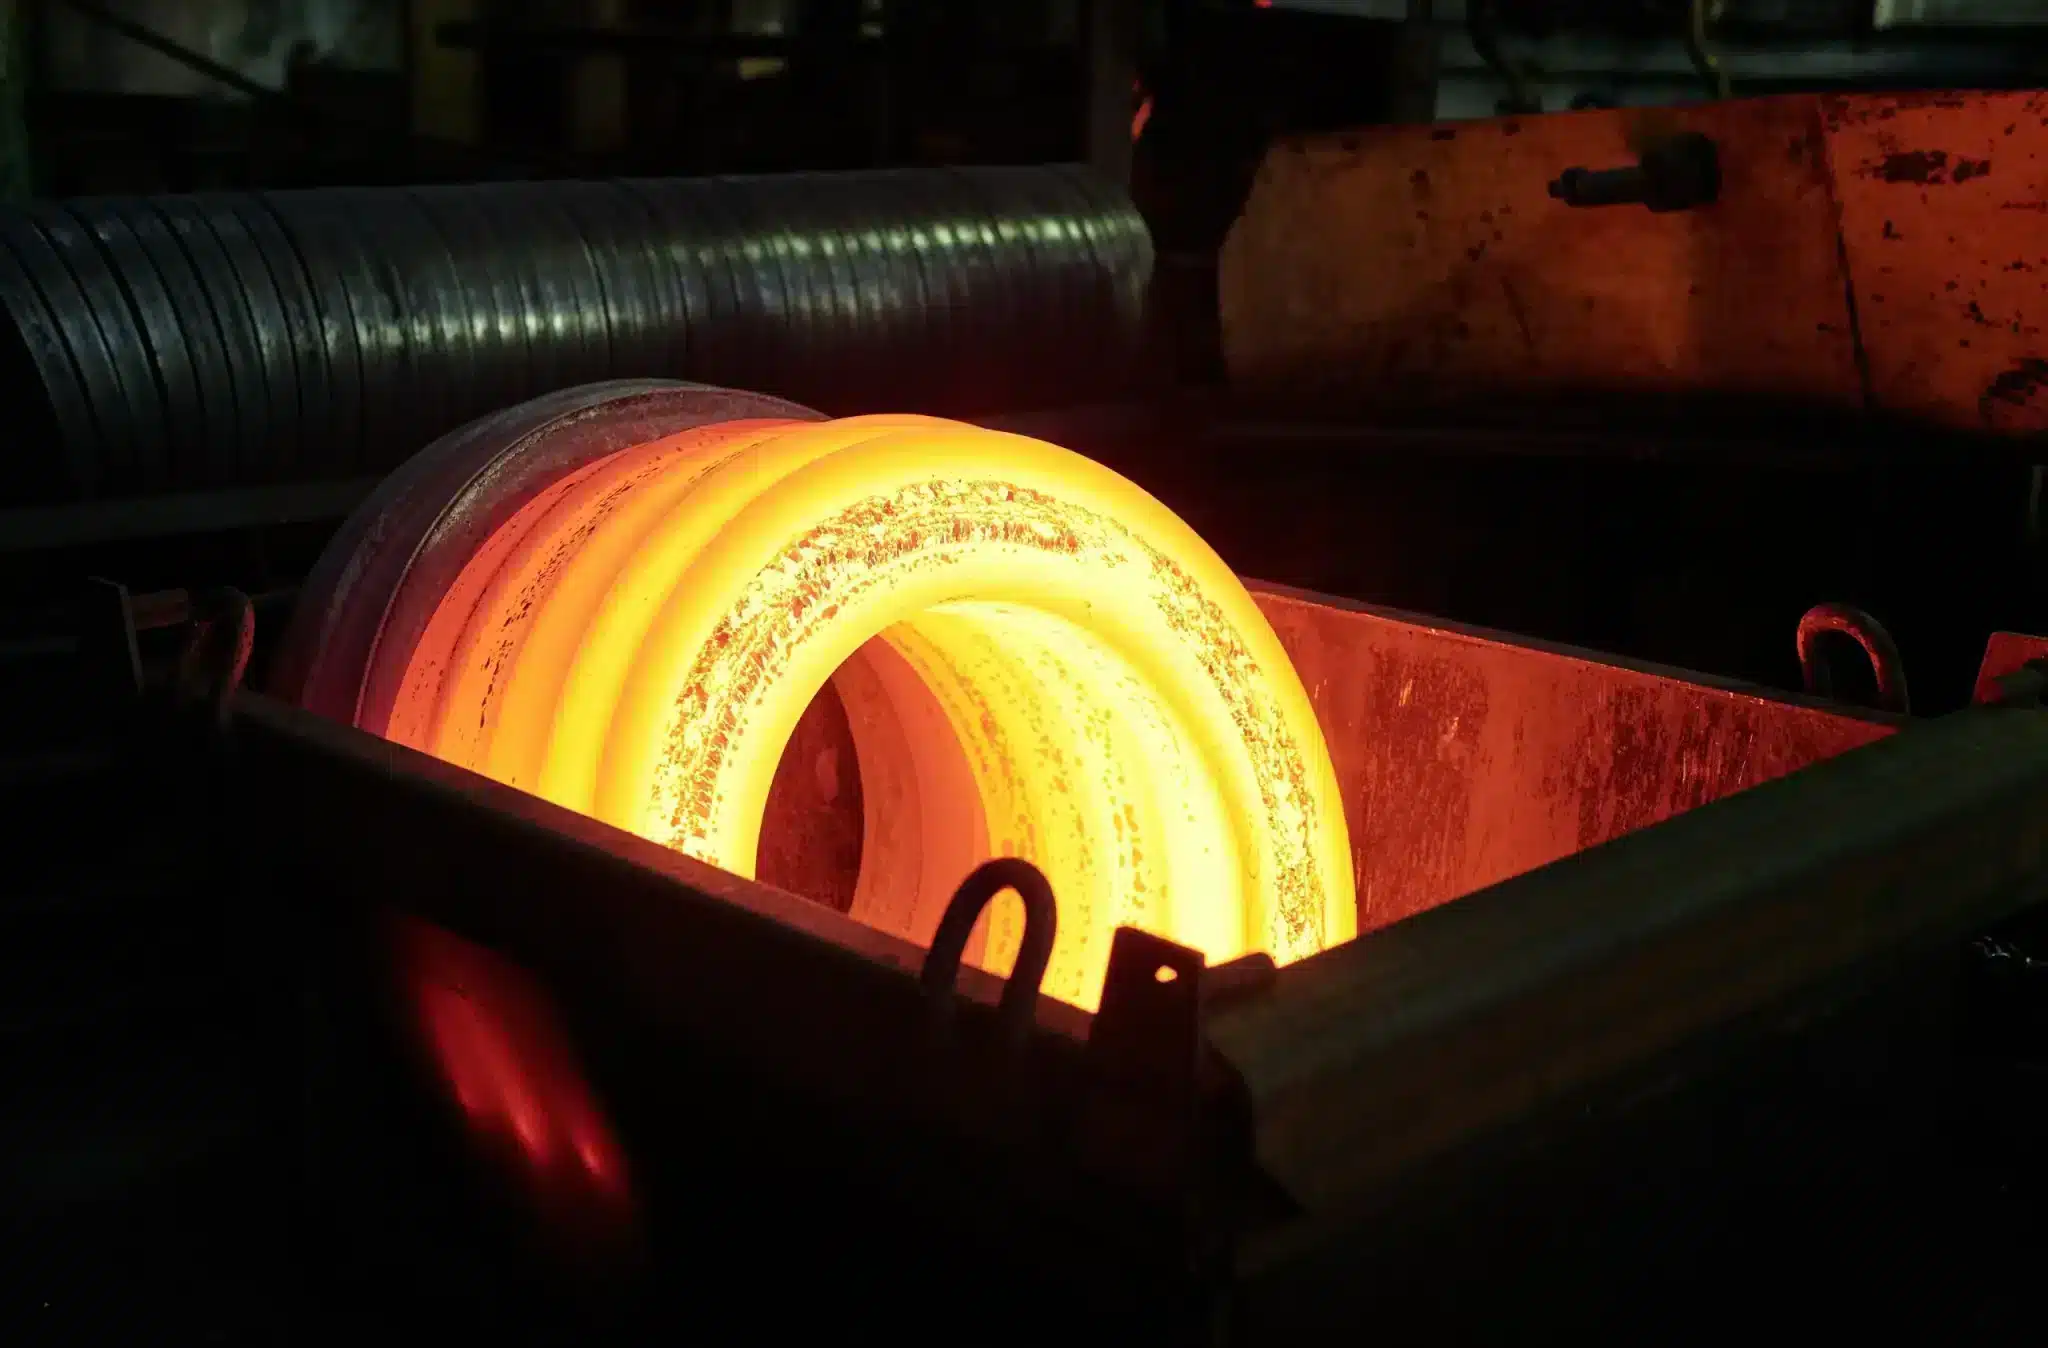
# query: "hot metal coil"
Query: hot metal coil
{"points": [[188, 343]]}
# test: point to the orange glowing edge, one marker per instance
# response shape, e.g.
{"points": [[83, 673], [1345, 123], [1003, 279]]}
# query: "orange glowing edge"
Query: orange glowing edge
{"points": [[1037, 659]]}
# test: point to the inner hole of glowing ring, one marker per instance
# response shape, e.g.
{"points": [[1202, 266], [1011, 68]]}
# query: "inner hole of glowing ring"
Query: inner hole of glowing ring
{"points": [[812, 830], [883, 798]]}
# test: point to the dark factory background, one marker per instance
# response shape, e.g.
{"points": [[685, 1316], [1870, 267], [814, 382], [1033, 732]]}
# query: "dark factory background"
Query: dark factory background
{"points": [[152, 1110]]}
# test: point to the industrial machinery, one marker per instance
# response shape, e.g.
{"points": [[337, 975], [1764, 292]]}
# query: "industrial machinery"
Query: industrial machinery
{"points": [[620, 775], [1568, 869]]}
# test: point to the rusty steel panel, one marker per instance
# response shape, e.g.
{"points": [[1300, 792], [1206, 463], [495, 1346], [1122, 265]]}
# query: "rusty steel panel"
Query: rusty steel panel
{"points": [[1466, 757], [1428, 263], [1944, 201], [2005, 654], [1368, 1061], [1876, 252]]}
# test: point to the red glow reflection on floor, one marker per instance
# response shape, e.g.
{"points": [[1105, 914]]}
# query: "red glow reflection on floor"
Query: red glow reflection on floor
{"points": [[501, 1053]]}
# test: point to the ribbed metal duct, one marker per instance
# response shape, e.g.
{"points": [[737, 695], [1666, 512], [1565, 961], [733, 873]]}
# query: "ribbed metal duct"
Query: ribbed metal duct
{"points": [[186, 343]]}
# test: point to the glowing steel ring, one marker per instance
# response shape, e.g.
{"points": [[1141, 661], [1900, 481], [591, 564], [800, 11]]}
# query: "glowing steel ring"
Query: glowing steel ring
{"points": [[1038, 659]]}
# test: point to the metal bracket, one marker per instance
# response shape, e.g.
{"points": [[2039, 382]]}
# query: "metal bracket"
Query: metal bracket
{"points": [[2014, 671], [1144, 1060], [216, 653], [1152, 1115], [1676, 174], [1149, 1026], [107, 647]]}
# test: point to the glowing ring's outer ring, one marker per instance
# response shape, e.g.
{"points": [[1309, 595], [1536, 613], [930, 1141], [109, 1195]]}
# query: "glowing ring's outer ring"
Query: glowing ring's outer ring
{"points": [[855, 462], [383, 572]]}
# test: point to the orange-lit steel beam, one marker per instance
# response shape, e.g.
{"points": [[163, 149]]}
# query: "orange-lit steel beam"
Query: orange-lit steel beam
{"points": [[1867, 251], [1368, 1065]]}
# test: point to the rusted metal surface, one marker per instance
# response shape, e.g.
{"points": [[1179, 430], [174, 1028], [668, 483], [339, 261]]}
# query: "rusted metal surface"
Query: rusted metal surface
{"points": [[1373, 1059], [1466, 757], [1867, 252], [1431, 263], [1943, 201], [2005, 655]]}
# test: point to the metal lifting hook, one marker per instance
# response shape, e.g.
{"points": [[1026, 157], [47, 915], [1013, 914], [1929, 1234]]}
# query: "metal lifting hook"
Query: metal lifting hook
{"points": [[1019, 1005], [1866, 632]]}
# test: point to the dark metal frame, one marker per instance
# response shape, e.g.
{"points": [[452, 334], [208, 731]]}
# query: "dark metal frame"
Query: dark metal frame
{"points": [[1110, 1129], [1226, 1129]]}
